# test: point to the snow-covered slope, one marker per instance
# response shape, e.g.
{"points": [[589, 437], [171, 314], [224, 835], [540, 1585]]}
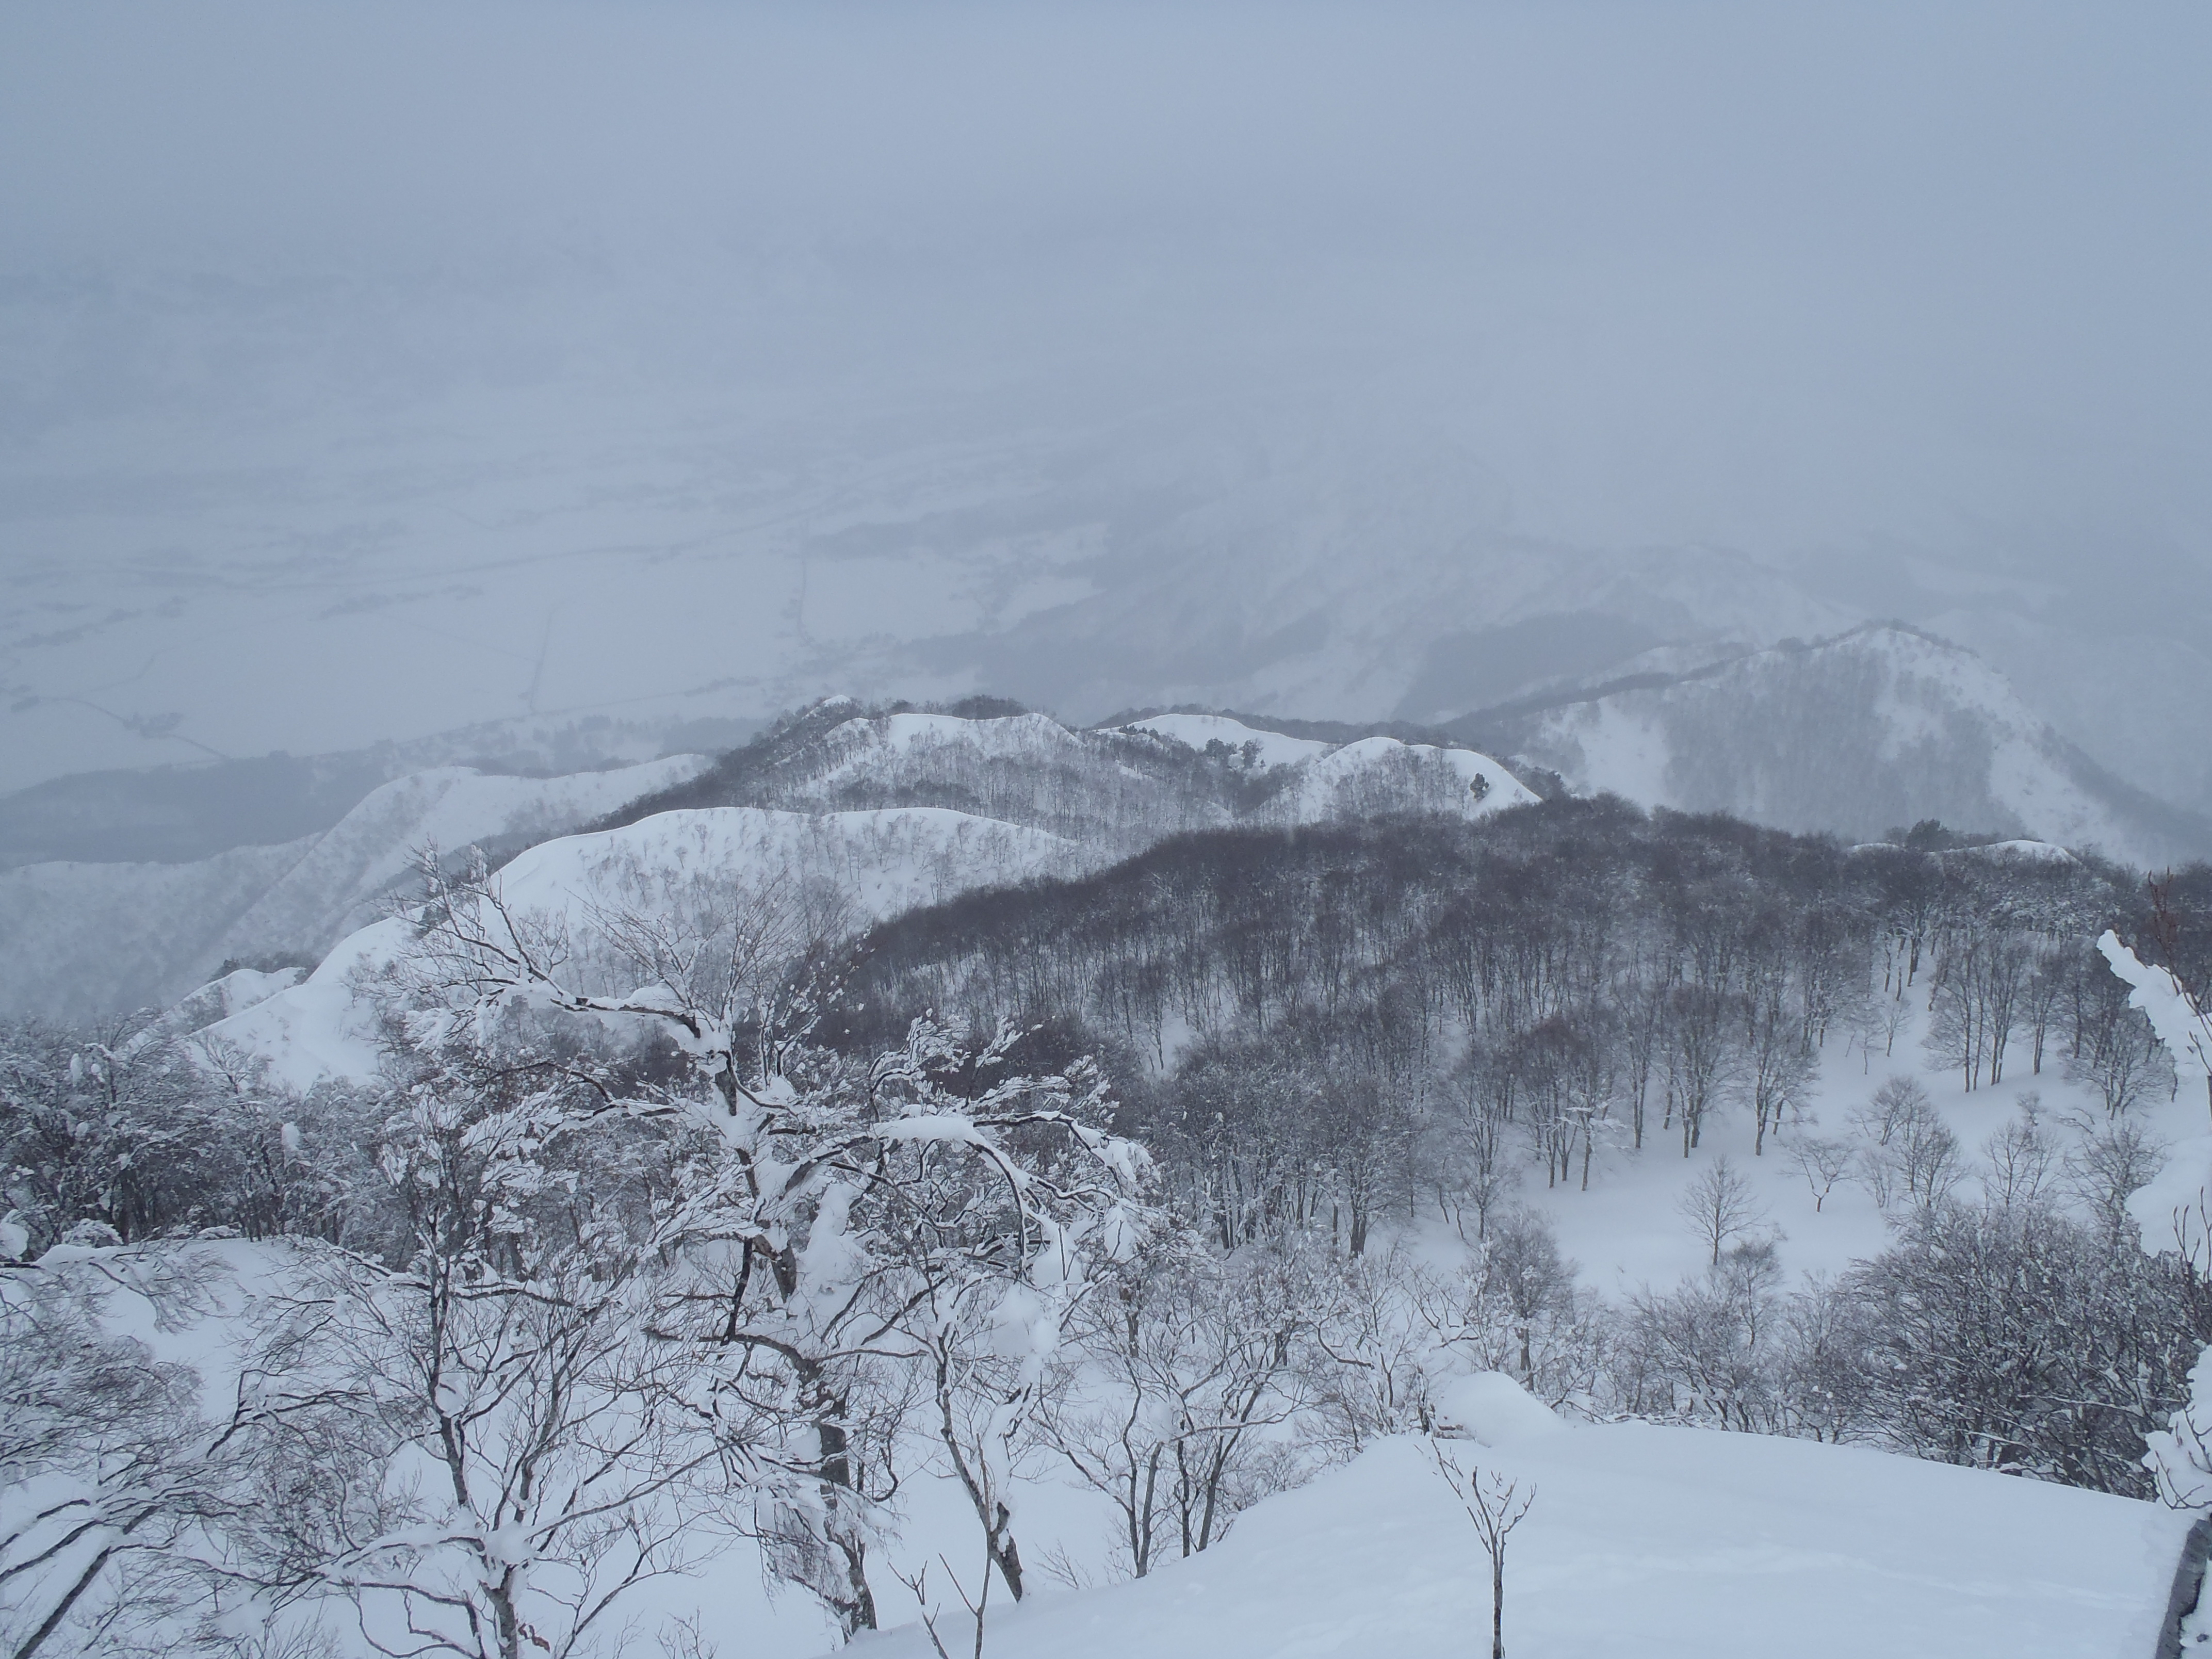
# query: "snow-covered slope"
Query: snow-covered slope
{"points": [[882, 862], [1877, 727], [234, 993], [86, 938], [98, 937], [1663, 1543], [1117, 789], [1196, 731], [1376, 775], [931, 741], [78, 940], [336, 887]]}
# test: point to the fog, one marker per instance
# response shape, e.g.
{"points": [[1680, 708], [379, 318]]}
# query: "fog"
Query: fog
{"points": [[367, 372]]}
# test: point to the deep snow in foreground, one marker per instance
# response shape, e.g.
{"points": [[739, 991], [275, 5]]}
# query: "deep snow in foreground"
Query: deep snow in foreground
{"points": [[1642, 1540]]}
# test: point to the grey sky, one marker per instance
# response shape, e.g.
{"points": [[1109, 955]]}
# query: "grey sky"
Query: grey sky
{"points": [[370, 369]]}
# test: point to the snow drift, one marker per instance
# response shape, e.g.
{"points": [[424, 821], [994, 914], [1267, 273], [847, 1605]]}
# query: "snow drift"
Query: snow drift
{"points": [[1653, 1542]]}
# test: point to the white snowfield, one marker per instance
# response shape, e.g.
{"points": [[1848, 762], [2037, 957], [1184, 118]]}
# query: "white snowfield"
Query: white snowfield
{"points": [[1658, 1543], [882, 862], [2029, 852], [234, 993], [103, 936]]}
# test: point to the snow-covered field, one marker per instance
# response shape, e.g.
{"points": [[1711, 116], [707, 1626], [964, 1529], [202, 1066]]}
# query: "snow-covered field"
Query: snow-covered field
{"points": [[1670, 1543], [1274, 747]]}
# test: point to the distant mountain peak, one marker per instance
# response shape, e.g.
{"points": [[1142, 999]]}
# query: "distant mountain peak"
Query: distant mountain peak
{"points": [[1881, 724]]}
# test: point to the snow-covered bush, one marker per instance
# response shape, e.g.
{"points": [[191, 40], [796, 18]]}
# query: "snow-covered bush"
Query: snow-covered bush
{"points": [[2016, 1339], [2179, 1455]]}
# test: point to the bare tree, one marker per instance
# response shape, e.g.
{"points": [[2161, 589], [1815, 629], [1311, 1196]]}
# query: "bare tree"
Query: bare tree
{"points": [[1823, 1162], [513, 1353], [1707, 1351], [978, 1605], [1704, 1059], [852, 1217], [1496, 1506], [1721, 1207], [2120, 1057], [1182, 1363], [1778, 1071], [2020, 1156], [2109, 1163], [1912, 1152]]}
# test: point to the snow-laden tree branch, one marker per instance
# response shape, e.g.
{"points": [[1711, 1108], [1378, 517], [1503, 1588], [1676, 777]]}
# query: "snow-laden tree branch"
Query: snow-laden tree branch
{"points": [[2181, 1026], [835, 1222]]}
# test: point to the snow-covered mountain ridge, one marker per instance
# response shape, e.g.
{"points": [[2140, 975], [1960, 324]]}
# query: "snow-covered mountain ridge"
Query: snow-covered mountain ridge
{"points": [[101, 938], [87, 939], [1875, 728], [1118, 788], [877, 860], [1880, 726]]}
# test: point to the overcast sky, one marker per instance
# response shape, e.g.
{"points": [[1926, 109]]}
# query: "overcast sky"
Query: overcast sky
{"points": [[336, 340]]}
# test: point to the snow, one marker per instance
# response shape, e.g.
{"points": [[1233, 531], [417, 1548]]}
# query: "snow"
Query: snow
{"points": [[449, 807], [1196, 731], [234, 993], [1328, 777], [93, 938], [860, 741], [1492, 1410], [319, 1029], [2180, 1027], [1645, 1540]]}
